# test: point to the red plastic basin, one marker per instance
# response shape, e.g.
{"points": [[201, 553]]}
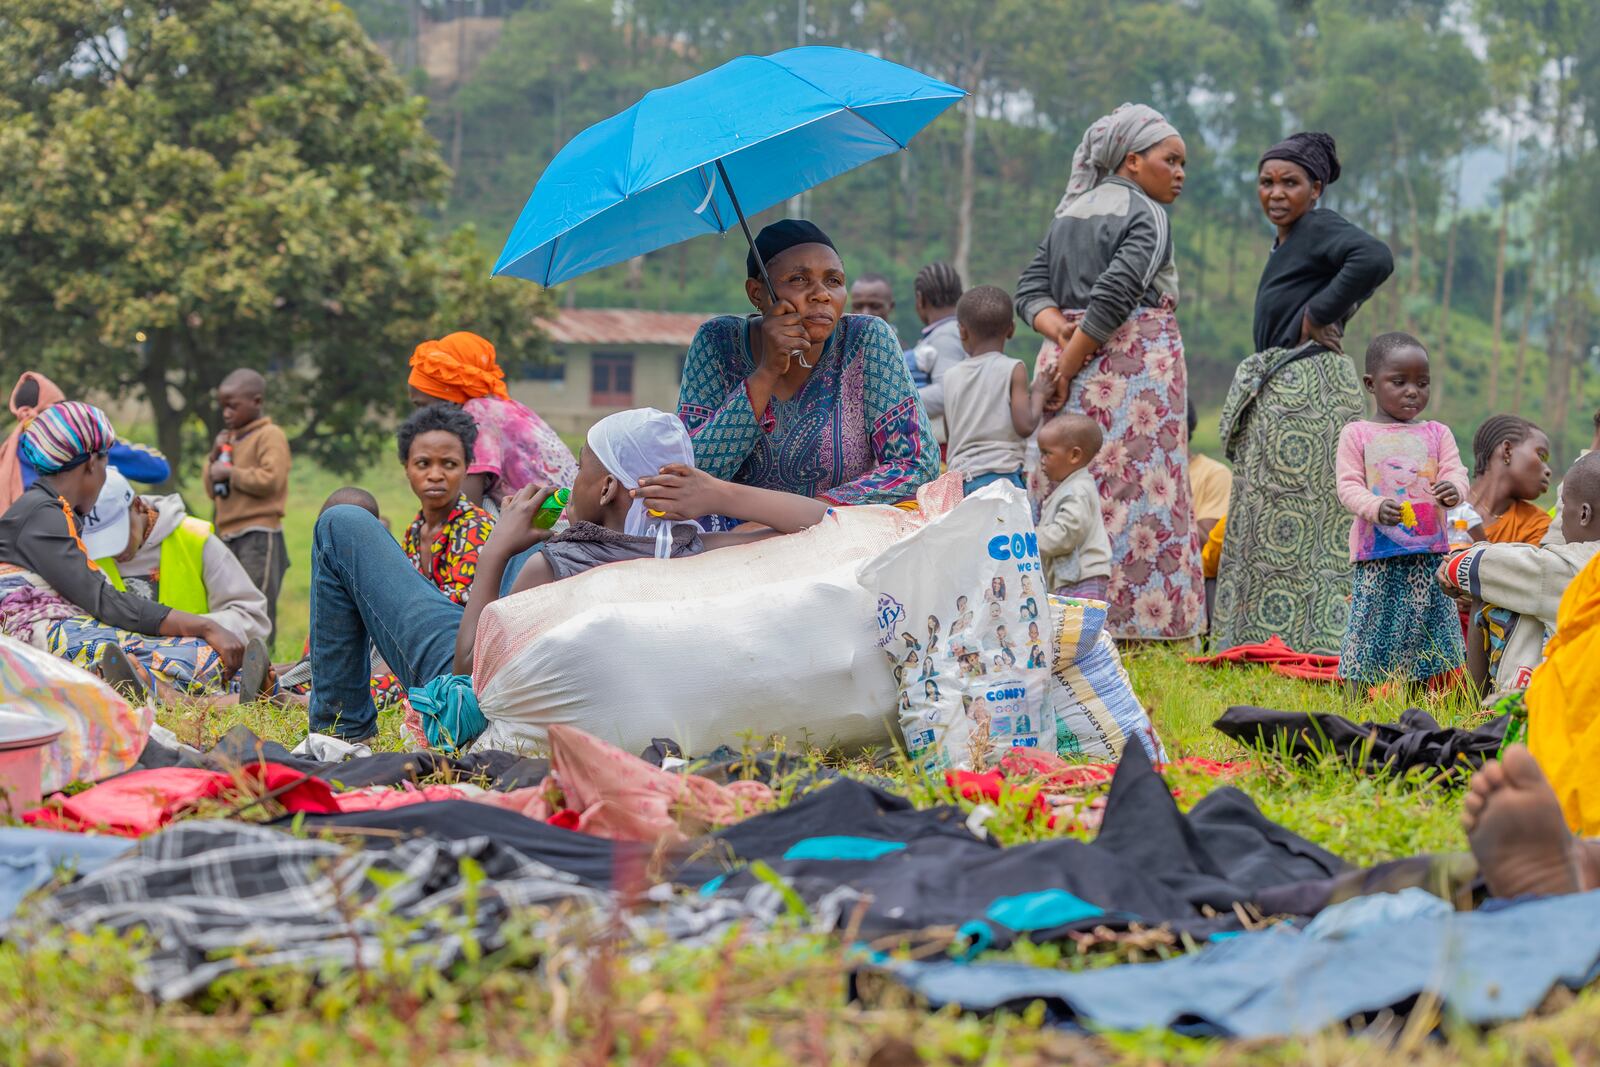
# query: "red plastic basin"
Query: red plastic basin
{"points": [[23, 739]]}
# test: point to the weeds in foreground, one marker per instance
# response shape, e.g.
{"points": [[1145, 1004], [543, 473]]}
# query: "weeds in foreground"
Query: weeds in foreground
{"points": [[777, 997], [549, 996]]}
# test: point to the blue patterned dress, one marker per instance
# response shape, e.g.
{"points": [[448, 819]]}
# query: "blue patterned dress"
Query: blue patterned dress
{"points": [[855, 433]]}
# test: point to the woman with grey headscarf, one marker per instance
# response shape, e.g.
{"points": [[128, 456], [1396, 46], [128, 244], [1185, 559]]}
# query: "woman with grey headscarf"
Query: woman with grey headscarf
{"points": [[1102, 291]]}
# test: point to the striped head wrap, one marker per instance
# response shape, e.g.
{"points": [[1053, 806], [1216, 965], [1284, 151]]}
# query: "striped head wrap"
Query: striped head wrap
{"points": [[64, 435]]}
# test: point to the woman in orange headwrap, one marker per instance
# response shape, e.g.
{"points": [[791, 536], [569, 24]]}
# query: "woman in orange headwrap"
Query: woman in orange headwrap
{"points": [[515, 447]]}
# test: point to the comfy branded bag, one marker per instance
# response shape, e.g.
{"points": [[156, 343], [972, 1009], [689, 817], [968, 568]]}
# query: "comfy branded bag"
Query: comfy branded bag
{"points": [[964, 625]]}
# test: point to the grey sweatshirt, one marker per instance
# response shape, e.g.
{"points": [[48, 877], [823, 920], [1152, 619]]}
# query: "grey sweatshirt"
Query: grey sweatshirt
{"points": [[1110, 253], [235, 603]]}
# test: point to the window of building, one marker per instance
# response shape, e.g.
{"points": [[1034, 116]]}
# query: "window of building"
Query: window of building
{"points": [[553, 368], [612, 380]]}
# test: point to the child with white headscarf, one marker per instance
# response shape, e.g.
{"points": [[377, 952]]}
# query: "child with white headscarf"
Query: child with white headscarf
{"points": [[636, 444]]}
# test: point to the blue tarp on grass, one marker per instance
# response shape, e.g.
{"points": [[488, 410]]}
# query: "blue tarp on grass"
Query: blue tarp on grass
{"points": [[1487, 967]]}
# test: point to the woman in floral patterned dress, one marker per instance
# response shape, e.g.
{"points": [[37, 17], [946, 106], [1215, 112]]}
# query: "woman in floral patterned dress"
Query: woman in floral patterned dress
{"points": [[1101, 290]]}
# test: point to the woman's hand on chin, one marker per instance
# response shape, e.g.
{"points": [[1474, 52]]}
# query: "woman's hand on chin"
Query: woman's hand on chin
{"points": [[783, 337]]}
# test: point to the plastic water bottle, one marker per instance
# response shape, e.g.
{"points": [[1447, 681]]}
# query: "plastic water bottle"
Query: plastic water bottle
{"points": [[222, 487], [551, 509], [1461, 519]]}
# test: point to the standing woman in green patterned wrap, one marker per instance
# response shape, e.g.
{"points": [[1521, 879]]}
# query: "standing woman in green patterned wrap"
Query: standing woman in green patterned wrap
{"points": [[1285, 566]]}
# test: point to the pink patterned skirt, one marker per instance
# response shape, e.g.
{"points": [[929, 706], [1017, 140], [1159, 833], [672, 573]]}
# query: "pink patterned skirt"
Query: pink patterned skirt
{"points": [[1136, 386]]}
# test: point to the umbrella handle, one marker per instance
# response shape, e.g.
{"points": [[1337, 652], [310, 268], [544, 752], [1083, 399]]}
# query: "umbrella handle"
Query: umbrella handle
{"points": [[761, 266]]}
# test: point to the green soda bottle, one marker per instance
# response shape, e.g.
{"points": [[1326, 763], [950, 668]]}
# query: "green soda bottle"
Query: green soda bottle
{"points": [[551, 509]]}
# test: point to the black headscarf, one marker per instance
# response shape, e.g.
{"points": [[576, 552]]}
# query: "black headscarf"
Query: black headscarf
{"points": [[1315, 152], [781, 236]]}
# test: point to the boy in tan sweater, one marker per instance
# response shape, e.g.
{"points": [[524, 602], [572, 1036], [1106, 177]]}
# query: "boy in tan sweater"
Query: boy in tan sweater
{"points": [[247, 475]]}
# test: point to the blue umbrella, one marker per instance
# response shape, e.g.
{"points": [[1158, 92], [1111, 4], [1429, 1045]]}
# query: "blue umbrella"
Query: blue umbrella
{"points": [[666, 169]]}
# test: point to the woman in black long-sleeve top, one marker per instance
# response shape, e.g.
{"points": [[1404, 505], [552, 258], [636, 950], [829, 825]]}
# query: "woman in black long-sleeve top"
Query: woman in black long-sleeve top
{"points": [[1285, 566]]}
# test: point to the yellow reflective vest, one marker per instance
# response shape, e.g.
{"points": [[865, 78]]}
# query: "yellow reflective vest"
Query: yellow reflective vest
{"points": [[181, 582]]}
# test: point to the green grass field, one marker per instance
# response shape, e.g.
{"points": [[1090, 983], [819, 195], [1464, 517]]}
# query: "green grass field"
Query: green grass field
{"points": [[755, 999]]}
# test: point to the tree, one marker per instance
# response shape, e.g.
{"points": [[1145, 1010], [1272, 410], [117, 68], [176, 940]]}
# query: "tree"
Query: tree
{"points": [[1405, 85], [1404, 95], [1512, 70], [972, 44], [195, 185]]}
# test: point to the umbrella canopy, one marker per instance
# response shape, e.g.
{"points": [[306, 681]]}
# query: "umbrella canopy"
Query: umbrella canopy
{"points": [[649, 177]]}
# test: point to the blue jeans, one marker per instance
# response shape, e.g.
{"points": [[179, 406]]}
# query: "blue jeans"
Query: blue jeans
{"points": [[514, 567], [1014, 477], [365, 593]]}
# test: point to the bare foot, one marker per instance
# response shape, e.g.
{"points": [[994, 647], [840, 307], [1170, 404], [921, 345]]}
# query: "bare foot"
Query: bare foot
{"points": [[1516, 829], [1588, 862]]}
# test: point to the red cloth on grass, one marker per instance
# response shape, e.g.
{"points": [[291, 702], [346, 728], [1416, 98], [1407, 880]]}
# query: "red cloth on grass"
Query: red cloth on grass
{"points": [[979, 786], [1277, 656], [1055, 776], [139, 802], [1058, 774]]}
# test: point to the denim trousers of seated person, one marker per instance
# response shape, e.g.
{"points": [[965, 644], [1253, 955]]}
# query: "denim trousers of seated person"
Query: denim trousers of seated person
{"points": [[1014, 477], [365, 593]]}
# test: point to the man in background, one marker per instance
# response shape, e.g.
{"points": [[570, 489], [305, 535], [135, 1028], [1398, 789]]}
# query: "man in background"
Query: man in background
{"points": [[938, 288], [873, 294]]}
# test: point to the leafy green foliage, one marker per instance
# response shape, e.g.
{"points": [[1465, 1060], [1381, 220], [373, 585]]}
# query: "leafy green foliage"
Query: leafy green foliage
{"points": [[1402, 87], [200, 185]]}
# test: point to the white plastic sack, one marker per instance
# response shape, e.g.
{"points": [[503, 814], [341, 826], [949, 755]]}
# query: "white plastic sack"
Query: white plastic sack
{"points": [[1093, 703], [102, 734], [775, 637], [963, 617]]}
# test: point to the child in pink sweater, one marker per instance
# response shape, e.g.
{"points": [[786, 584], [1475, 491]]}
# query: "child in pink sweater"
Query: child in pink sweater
{"points": [[1399, 476]]}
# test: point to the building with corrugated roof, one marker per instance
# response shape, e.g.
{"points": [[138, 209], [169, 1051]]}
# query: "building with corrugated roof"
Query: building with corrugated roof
{"points": [[605, 360]]}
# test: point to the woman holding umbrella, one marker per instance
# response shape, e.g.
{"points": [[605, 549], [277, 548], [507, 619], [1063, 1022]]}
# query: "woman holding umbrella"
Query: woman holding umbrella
{"points": [[1285, 567], [1102, 290], [801, 397]]}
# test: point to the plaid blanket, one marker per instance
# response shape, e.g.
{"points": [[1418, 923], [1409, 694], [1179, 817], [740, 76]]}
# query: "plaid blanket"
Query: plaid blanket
{"points": [[218, 897]]}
